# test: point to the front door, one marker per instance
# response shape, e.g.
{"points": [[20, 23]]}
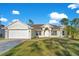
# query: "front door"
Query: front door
{"points": [[47, 33]]}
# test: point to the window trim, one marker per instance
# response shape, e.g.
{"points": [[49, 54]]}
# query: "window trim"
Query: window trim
{"points": [[53, 32]]}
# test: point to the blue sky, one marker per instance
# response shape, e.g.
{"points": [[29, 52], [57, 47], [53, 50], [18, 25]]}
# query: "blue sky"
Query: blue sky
{"points": [[38, 12]]}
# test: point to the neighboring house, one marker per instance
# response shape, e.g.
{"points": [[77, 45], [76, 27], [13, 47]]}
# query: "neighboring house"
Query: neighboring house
{"points": [[19, 30], [2, 31]]}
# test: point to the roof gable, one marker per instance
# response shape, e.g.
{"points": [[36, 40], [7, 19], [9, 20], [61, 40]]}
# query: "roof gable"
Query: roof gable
{"points": [[18, 25]]}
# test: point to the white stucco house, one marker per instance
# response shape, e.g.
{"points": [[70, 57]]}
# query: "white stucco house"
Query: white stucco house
{"points": [[19, 30]]}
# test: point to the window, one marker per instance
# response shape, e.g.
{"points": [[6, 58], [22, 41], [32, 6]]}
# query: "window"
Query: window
{"points": [[54, 33], [63, 33], [39, 32]]}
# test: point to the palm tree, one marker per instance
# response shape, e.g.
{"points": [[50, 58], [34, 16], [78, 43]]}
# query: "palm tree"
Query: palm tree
{"points": [[65, 22], [71, 27], [30, 22], [74, 27], [76, 22]]}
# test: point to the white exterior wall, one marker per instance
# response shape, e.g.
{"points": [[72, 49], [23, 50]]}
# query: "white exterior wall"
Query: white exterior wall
{"points": [[6, 34], [59, 32], [20, 34], [18, 25], [18, 30]]}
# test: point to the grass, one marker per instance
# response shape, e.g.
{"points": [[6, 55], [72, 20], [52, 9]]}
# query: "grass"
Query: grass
{"points": [[2, 38], [46, 47]]}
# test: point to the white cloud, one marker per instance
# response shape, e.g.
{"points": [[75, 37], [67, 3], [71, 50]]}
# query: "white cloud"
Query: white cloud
{"points": [[14, 20], [3, 19], [73, 6], [53, 21], [77, 11], [15, 12], [58, 16]]}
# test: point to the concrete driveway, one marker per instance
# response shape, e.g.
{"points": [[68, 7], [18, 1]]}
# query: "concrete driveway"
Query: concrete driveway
{"points": [[6, 45]]}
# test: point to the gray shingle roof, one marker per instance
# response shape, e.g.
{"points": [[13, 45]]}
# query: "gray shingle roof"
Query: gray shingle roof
{"points": [[39, 26]]}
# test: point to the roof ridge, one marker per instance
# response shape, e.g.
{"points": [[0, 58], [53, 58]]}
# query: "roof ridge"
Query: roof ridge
{"points": [[11, 23]]}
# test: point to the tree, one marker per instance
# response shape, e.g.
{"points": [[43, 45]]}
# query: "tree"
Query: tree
{"points": [[65, 22], [71, 27], [76, 22], [74, 27], [30, 22], [0, 22]]}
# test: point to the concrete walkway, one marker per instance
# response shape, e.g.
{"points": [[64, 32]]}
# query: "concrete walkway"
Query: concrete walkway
{"points": [[6, 45]]}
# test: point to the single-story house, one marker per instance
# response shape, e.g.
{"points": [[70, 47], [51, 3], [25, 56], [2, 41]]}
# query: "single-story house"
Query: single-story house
{"points": [[19, 30]]}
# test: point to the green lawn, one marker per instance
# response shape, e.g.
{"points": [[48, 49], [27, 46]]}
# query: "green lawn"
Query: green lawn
{"points": [[2, 38], [46, 47]]}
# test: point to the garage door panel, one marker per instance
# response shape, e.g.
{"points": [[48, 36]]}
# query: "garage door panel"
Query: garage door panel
{"points": [[25, 34]]}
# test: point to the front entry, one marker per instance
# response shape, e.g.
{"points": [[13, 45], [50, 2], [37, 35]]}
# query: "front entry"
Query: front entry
{"points": [[47, 33]]}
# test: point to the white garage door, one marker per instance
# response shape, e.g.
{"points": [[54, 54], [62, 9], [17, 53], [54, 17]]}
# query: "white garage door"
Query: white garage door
{"points": [[19, 34]]}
